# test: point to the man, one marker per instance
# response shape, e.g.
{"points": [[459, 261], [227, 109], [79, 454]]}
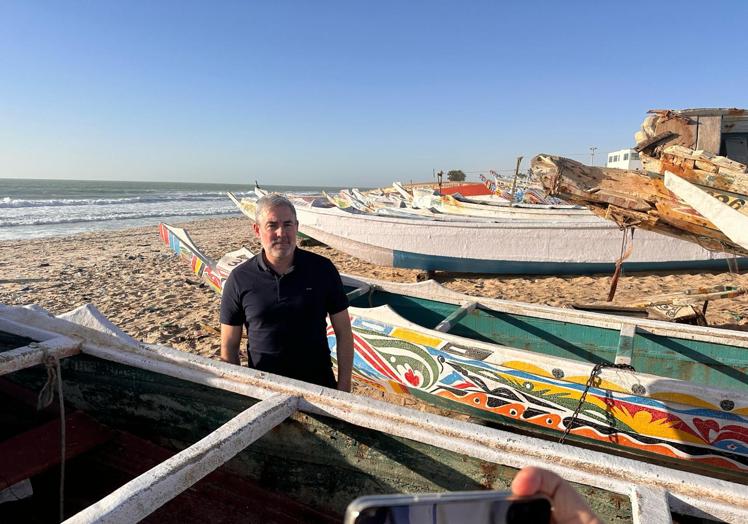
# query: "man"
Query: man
{"points": [[283, 296]]}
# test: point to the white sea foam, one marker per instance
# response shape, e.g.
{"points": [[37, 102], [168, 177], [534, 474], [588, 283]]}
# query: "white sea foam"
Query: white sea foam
{"points": [[40, 208]]}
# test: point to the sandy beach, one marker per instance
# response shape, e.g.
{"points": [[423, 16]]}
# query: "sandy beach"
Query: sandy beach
{"points": [[136, 281]]}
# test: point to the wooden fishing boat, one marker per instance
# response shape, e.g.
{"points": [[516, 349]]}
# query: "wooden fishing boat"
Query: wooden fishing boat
{"points": [[451, 205], [500, 247], [181, 438], [705, 147], [685, 402]]}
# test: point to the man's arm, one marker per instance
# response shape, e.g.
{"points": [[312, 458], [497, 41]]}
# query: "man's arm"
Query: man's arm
{"points": [[231, 337], [341, 324]]}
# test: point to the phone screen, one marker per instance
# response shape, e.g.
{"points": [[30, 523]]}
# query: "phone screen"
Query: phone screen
{"points": [[449, 508]]}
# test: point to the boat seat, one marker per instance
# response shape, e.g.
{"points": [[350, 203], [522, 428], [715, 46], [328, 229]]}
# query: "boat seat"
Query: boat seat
{"points": [[625, 351], [448, 323], [354, 294]]}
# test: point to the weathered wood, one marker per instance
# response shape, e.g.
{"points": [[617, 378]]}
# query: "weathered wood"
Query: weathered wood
{"points": [[144, 494], [362, 414], [701, 111], [683, 127], [352, 295], [735, 123], [447, 324], [626, 344], [708, 132], [35, 353], [650, 505], [732, 223], [632, 198]]}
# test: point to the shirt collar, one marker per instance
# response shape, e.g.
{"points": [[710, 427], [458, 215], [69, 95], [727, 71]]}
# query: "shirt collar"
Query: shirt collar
{"points": [[265, 267]]}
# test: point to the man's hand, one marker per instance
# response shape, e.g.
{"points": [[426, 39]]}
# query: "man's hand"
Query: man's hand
{"points": [[341, 324], [568, 506], [231, 337]]}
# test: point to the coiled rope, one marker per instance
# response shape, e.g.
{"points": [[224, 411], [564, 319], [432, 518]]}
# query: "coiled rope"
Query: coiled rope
{"points": [[46, 396]]}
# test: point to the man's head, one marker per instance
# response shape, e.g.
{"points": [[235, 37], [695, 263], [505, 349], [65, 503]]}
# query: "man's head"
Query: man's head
{"points": [[276, 226]]}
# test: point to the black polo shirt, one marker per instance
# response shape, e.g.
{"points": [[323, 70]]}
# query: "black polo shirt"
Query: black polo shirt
{"points": [[285, 315]]}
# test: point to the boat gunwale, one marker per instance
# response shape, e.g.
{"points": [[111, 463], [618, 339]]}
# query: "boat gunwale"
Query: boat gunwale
{"points": [[621, 377], [687, 493]]}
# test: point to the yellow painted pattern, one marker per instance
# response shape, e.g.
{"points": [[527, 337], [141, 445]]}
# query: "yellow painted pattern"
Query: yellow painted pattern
{"points": [[529, 368], [416, 338], [684, 398], [642, 423]]}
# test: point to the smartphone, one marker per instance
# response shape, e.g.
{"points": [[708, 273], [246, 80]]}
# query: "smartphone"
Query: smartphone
{"points": [[457, 507]]}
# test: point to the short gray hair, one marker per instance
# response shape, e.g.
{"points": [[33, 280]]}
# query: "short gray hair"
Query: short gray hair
{"points": [[272, 201]]}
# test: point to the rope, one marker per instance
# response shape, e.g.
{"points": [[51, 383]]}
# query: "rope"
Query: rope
{"points": [[626, 249], [46, 396], [590, 381]]}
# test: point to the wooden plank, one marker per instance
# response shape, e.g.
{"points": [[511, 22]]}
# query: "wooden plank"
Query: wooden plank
{"points": [[625, 351], [650, 505], [702, 111], [449, 322], [354, 294], [143, 495], [709, 132], [683, 127], [34, 354], [38, 449], [735, 123], [737, 148], [729, 221]]}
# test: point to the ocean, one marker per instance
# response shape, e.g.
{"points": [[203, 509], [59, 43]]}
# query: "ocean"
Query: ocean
{"points": [[44, 208]]}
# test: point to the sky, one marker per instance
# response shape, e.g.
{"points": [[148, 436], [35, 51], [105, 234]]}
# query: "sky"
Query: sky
{"points": [[347, 93]]}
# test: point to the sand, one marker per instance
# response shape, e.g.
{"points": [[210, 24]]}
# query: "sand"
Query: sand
{"points": [[136, 281]]}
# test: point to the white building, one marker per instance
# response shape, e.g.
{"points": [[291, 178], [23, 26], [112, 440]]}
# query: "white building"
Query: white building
{"points": [[624, 159]]}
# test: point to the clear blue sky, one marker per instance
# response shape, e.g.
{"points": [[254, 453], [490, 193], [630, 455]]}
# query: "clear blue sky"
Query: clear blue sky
{"points": [[346, 93]]}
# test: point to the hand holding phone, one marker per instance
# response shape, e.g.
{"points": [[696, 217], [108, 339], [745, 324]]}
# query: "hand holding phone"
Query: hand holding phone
{"points": [[568, 506], [466, 507]]}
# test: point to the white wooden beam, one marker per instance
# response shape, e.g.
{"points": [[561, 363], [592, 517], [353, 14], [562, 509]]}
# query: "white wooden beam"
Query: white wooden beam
{"points": [[694, 494], [650, 505], [457, 315], [34, 353], [143, 495], [358, 292]]}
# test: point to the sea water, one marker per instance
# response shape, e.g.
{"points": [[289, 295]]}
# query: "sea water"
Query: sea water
{"points": [[43, 208]]}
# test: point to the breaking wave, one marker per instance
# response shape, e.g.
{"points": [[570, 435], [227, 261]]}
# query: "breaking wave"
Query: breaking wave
{"points": [[212, 196], [47, 220]]}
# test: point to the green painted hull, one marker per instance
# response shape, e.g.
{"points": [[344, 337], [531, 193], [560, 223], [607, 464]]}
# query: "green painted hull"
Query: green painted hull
{"points": [[317, 461], [699, 362]]}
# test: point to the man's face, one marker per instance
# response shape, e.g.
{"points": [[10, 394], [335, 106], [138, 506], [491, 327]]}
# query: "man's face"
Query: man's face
{"points": [[276, 230]]}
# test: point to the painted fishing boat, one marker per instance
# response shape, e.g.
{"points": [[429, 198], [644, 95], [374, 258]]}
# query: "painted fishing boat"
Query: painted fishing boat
{"points": [[175, 437], [675, 394], [704, 147], [499, 247], [452, 205]]}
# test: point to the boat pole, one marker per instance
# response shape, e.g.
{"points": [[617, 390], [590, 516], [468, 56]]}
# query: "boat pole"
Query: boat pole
{"points": [[516, 174]]}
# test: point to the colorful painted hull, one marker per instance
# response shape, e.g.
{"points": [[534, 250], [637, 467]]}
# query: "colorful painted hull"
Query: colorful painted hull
{"points": [[669, 420], [526, 365], [323, 451]]}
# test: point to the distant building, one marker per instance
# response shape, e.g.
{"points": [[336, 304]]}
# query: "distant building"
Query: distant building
{"points": [[624, 159]]}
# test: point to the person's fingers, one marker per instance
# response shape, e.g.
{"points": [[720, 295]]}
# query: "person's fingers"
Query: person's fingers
{"points": [[526, 482], [568, 506]]}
